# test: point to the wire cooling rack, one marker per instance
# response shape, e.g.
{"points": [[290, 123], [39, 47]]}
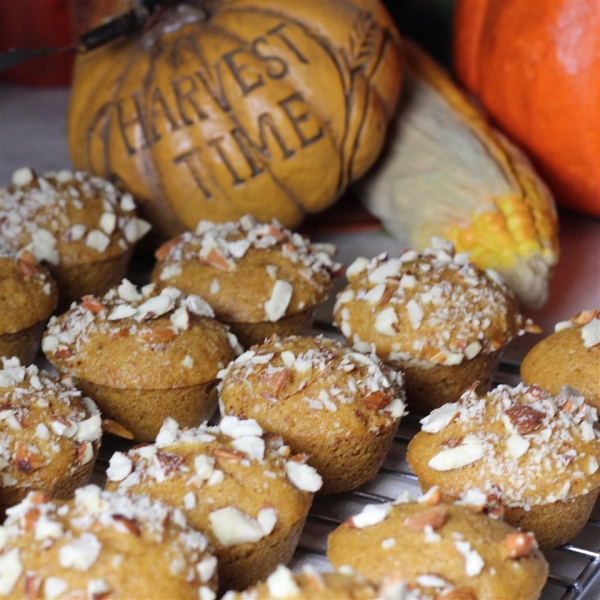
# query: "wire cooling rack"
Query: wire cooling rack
{"points": [[574, 567]]}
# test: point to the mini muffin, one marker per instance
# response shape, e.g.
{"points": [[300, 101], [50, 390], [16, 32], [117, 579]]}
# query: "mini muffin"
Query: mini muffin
{"points": [[239, 487], [570, 356], [49, 434], [340, 407], [428, 539], [260, 278], [142, 356], [81, 226], [27, 299], [534, 454], [102, 545], [347, 585], [434, 316]]}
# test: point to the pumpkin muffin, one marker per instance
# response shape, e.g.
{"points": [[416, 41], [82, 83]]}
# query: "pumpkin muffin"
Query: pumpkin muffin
{"points": [[260, 278], [81, 226], [348, 585], [339, 406], [49, 434], [570, 356], [241, 488], [435, 316], [102, 545], [27, 299], [533, 454], [142, 355], [428, 539]]}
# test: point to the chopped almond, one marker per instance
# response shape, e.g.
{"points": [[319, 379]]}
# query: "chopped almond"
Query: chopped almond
{"points": [[164, 249], [214, 258], [92, 304], [228, 454], [434, 517], [157, 335], [110, 426], [376, 400], [519, 544], [130, 524], [27, 460], [276, 380], [524, 418]]}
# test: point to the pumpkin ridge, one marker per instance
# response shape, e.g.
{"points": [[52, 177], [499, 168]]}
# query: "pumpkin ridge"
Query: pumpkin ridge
{"points": [[332, 52], [257, 155]]}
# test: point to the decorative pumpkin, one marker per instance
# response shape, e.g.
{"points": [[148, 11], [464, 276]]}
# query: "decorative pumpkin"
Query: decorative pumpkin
{"points": [[535, 66], [228, 107], [446, 172]]}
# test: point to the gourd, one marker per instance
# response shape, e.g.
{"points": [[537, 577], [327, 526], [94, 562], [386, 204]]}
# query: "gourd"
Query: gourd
{"points": [[228, 107], [447, 172], [535, 67]]}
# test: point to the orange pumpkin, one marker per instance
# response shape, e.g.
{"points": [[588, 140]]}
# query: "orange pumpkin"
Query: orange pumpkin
{"points": [[535, 67], [247, 106]]}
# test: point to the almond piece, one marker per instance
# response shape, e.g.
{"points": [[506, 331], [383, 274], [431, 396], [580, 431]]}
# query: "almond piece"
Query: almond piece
{"points": [[84, 453], [157, 335], [64, 353], [164, 249], [214, 258], [228, 454], [30, 518], [376, 400], [110, 426], [585, 316], [387, 295], [92, 304], [33, 583], [435, 517], [524, 418], [39, 498], [519, 544], [459, 593], [25, 459], [28, 266], [169, 462], [276, 380], [130, 524]]}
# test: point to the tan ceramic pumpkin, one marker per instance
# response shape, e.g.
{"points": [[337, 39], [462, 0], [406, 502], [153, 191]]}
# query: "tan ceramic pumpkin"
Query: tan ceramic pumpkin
{"points": [[267, 107]]}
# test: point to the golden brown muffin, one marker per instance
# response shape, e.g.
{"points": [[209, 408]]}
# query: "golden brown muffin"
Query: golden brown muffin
{"points": [[241, 488], [49, 434], [27, 298], [570, 356], [102, 545], [143, 356], [534, 454], [339, 406], [81, 226], [434, 316], [431, 539], [348, 585], [260, 278]]}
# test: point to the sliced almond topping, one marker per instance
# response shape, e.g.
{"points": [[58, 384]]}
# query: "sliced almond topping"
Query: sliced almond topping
{"points": [[110, 426], [30, 518], [157, 335], [519, 544], [92, 304], [276, 380], [433, 517], [214, 258], [524, 418], [585, 316], [84, 453], [432, 497], [376, 400], [26, 459], [130, 524], [164, 249], [64, 353], [228, 454], [33, 583]]}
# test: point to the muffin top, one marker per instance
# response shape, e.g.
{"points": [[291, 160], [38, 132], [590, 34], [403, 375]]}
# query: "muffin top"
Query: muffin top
{"points": [[47, 428], [27, 292], [102, 544], [68, 217], [139, 339], [434, 307], [345, 584], [316, 386], [248, 271], [570, 356], [231, 481], [427, 538], [521, 446]]}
